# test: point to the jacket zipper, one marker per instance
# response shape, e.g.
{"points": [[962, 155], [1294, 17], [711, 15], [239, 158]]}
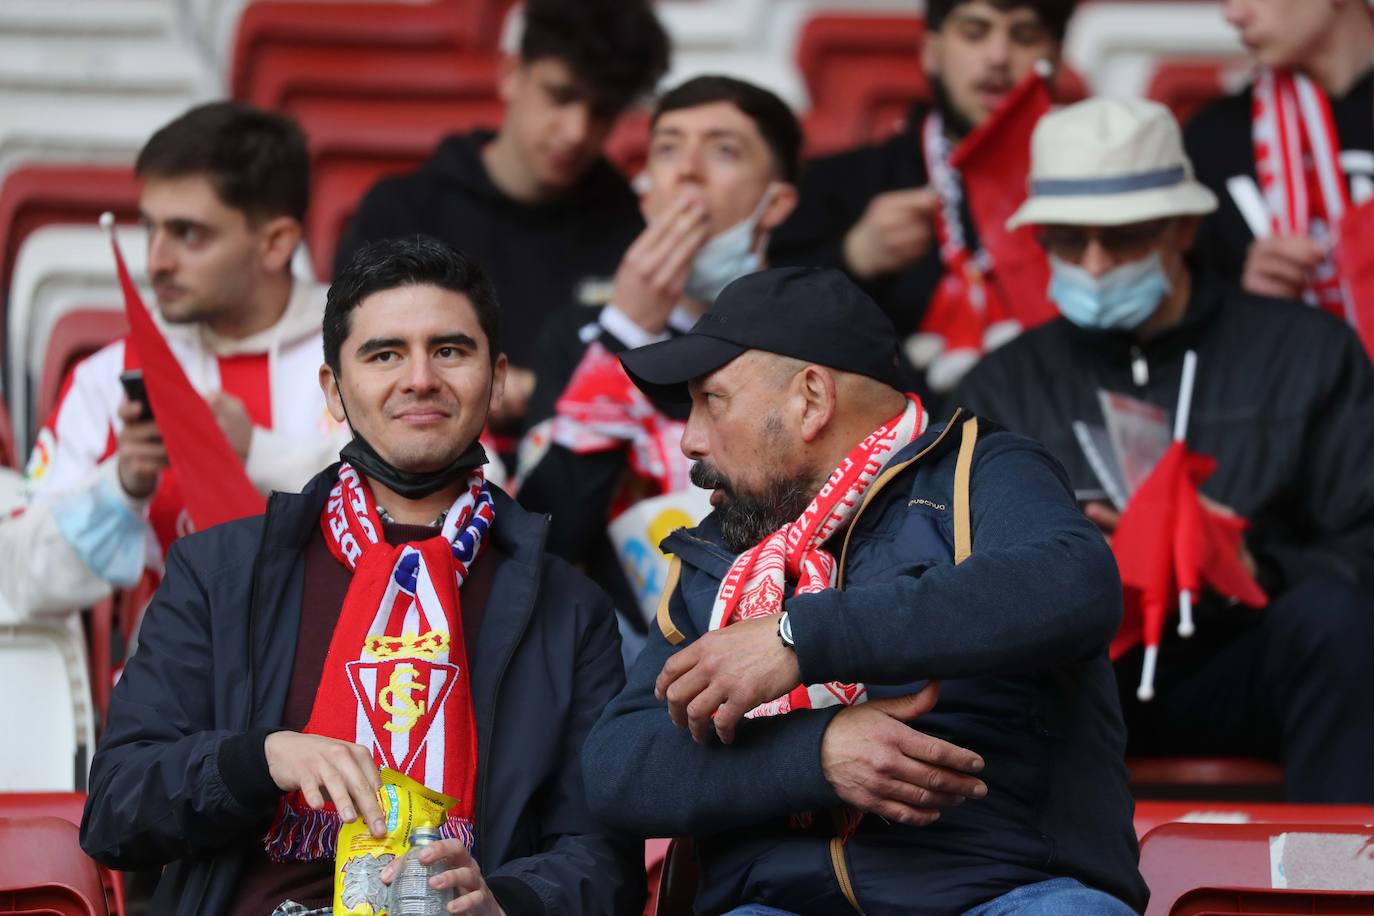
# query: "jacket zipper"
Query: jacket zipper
{"points": [[838, 862], [480, 809]]}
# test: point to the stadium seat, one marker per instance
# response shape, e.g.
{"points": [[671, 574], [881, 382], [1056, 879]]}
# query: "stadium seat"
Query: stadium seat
{"points": [[441, 25], [57, 722], [123, 18], [676, 889], [113, 63], [9, 457], [68, 806], [44, 870], [76, 334], [1258, 868], [1151, 814], [60, 268], [1230, 778], [1186, 86], [36, 195]]}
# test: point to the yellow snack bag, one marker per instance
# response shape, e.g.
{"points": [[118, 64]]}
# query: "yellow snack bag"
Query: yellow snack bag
{"points": [[358, 863]]}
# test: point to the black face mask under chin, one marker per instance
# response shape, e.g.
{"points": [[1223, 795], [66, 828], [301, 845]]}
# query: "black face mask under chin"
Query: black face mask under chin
{"points": [[410, 484]]}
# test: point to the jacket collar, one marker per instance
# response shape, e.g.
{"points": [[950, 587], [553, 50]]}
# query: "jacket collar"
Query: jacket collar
{"points": [[1117, 346]]}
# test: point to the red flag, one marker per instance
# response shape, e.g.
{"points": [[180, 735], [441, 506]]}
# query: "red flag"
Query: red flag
{"points": [[1356, 259], [211, 476], [994, 163], [1169, 541]]}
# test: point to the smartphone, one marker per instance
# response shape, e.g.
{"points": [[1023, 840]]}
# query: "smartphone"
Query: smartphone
{"points": [[136, 391]]}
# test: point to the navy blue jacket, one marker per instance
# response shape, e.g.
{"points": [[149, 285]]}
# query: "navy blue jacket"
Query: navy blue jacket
{"points": [[1018, 632], [180, 777]]}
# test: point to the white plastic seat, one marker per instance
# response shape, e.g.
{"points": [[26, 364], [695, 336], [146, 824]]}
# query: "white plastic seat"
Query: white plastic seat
{"points": [[112, 19], [125, 65], [47, 713]]}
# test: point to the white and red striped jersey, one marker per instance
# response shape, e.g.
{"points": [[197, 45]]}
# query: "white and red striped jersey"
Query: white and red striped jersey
{"points": [[275, 373]]}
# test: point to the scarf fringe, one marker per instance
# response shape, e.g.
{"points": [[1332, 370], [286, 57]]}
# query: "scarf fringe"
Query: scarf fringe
{"points": [[310, 836]]}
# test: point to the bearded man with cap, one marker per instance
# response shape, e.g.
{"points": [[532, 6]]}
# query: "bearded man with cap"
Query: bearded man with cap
{"points": [[856, 556], [399, 612], [1284, 398]]}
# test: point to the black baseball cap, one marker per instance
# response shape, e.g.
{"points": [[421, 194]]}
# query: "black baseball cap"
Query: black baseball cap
{"points": [[808, 313]]}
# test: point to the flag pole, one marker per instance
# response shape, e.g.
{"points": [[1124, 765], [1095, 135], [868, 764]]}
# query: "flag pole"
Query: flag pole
{"points": [[1146, 691], [1186, 628]]}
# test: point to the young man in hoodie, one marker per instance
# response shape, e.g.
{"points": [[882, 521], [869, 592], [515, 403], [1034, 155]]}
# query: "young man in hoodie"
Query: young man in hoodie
{"points": [[723, 157], [1282, 401], [873, 211], [1316, 61], [223, 199], [536, 202]]}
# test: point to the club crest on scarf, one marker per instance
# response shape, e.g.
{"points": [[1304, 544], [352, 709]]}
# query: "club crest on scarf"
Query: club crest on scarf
{"points": [[756, 583], [396, 677]]}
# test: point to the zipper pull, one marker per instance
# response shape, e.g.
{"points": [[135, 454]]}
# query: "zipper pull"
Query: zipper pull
{"points": [[1140, 369]]}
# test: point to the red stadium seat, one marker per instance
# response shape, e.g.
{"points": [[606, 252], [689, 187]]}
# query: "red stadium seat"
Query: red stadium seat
{"points": [[1186, 86], [8, 458], [67, 806], [38, 195], [863, 74], [76, 335], [1205, 778], [43, 869], [1151, 814], [675, 891], [443, 25], [1232, 868]]}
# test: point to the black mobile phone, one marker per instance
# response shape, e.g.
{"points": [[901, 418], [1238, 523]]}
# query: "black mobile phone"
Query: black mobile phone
{"points": [[136, 391]]}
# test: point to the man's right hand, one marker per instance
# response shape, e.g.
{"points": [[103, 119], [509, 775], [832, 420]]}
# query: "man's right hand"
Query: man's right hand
{"points": [[878, 763], [654, 271], [1279, 266], [895, 231], [140, 454], [328, 769]]}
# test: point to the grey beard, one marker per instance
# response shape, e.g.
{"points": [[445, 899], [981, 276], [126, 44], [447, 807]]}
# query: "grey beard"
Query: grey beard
{"points": [[747, 518]]}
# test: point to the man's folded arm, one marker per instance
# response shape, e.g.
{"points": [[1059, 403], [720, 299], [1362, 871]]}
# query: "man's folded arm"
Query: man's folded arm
{"points": [[646, 776], [583, 866], [165, 784], [1041, 588]]}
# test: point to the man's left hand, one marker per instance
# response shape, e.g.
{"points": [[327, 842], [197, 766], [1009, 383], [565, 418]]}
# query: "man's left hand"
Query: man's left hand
{"points": [[471, 894], [726, 673], [233, 418]]}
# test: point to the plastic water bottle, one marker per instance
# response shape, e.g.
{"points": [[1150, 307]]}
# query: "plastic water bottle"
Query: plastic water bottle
{"points": [[411, 894]]}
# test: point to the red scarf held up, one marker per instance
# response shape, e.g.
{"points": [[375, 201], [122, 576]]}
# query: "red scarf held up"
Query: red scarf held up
{"points": [[396, 678]]}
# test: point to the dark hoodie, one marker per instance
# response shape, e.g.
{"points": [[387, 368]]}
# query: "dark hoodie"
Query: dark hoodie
{"points": [[540, 257]]}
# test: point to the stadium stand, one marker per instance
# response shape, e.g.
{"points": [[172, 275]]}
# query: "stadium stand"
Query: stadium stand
{"points": [[57, 722], [1205, 777], [1258, 868], [44, 870]]}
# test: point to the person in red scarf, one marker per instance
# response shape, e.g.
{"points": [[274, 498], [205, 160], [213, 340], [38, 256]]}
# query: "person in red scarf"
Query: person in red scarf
{"points": [[857, 552], [893, 215], [399, 612], [1289, 154]]}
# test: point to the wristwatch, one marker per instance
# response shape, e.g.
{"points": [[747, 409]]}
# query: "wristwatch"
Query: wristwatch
{"points": [[785, 631]]}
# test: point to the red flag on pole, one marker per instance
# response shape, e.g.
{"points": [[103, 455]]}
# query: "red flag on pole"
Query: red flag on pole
{"points": [[994, 163], [213, 483]]}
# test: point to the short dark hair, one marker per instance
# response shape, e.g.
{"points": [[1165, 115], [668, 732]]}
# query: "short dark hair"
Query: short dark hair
{"points": [[770, 114], [416, 260], [617, 46], [256, 160], [1053, 13]]}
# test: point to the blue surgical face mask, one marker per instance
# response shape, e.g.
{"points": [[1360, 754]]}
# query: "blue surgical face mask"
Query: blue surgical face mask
{"points": [[1122, 299], [727, 257]]}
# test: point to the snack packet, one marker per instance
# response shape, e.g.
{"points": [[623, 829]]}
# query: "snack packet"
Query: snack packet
{"points": [[358, 863]]}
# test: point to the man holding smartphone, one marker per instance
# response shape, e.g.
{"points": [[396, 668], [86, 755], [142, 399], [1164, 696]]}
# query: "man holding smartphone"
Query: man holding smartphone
{"points": [[223, 198]]}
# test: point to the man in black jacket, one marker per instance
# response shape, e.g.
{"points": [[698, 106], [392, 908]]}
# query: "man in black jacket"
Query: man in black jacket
{"points": [[1252, 239], [1284, 399], [860, 552], [536, 203], [399, 612], [723, 156], [872, 211]]}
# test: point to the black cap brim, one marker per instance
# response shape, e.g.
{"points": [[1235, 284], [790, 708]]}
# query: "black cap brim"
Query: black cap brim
{"points": [[662, 370]]}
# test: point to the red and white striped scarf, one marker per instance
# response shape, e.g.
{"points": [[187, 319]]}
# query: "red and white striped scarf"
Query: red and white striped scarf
{"points": [[756, 582], [1297, 160], [601, 410], [396, 678]]}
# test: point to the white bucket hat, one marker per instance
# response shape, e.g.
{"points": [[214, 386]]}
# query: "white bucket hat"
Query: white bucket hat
{"points": [[1109, 162]]}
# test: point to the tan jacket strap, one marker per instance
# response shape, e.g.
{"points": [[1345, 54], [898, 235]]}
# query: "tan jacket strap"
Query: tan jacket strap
{"points": [[665, 620], [963, 528]]}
